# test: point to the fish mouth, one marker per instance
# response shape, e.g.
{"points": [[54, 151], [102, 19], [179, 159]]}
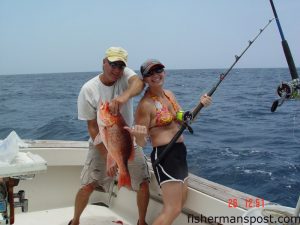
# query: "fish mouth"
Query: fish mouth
{"points": [[106, 117], [104, 106], [108, 120]]}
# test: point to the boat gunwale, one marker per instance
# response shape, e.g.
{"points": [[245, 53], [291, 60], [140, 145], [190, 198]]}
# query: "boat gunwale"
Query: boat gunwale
{"points": [[216, 190]]}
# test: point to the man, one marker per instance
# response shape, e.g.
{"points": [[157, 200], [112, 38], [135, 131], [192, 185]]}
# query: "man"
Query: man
{"points": [[116, 84]]}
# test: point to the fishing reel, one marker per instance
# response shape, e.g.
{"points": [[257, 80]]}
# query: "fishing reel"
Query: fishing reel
{"points": [[290, 90], [287, 90], [186, 118]]}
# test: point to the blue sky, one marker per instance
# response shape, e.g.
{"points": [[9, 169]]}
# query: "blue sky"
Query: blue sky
{"points": [[39, 36]]}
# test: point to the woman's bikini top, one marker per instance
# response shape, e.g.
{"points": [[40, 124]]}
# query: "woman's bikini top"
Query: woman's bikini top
{"points": [[163, 116]]}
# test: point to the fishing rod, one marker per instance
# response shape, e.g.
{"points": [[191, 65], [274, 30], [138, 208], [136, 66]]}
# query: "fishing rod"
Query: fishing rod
{"points": [[189, 117], [286, 90]]}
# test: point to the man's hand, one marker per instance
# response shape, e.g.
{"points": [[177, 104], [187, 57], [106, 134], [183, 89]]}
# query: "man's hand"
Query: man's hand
{"points": [[135, 86], [116, 103]]}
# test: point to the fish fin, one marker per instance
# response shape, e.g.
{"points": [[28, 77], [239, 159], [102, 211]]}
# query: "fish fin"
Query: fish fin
{"points": [[131, 156], [104, 136], [110, 164], [132, 149], [109, 161], [124, 180], [97, 139]]}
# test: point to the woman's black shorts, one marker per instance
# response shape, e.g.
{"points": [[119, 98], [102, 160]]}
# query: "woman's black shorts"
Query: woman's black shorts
{"points": [[173, 167]]}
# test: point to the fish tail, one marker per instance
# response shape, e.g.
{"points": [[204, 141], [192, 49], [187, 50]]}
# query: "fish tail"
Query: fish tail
{"points": [[124, 180]]}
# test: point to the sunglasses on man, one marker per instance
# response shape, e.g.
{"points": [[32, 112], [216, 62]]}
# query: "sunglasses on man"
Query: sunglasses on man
{"points": [[154, 71], [115, 65]]}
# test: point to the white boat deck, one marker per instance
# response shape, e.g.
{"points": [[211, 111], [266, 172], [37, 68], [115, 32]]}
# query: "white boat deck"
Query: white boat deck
{"points": [[51, 194], [92, 215]]}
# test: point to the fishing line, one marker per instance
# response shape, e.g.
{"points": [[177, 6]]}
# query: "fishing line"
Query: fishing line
{"points": [[184, 92], [186, 123], [286, 90], [295, 120]]}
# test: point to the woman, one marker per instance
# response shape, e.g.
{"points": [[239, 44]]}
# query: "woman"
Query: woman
{"points": [[156, 118]]}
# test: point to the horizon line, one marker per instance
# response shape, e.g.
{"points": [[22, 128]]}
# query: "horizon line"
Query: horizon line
{"points": [[138, 70]]}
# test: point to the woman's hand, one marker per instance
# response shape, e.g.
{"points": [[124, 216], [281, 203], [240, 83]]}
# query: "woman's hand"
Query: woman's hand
{"points": [[140, 133], [205, 100]]}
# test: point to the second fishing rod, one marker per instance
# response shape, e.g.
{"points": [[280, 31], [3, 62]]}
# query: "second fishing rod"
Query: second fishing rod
{"points": [[190, 116], [286, 90]]}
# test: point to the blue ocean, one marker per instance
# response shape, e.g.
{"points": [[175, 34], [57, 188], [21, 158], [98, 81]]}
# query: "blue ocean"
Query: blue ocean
{"points": [[237, 141]]}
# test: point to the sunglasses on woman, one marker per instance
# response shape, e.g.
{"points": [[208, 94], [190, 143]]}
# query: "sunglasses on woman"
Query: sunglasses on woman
{"points": [[151, 72]]}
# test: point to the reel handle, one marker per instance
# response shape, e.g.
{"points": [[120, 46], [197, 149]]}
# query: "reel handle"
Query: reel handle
{"points": [[274, 106], [279, 102]]}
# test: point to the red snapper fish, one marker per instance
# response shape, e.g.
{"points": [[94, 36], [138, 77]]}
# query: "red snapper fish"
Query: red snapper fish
{"points": [[118, 142]]}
